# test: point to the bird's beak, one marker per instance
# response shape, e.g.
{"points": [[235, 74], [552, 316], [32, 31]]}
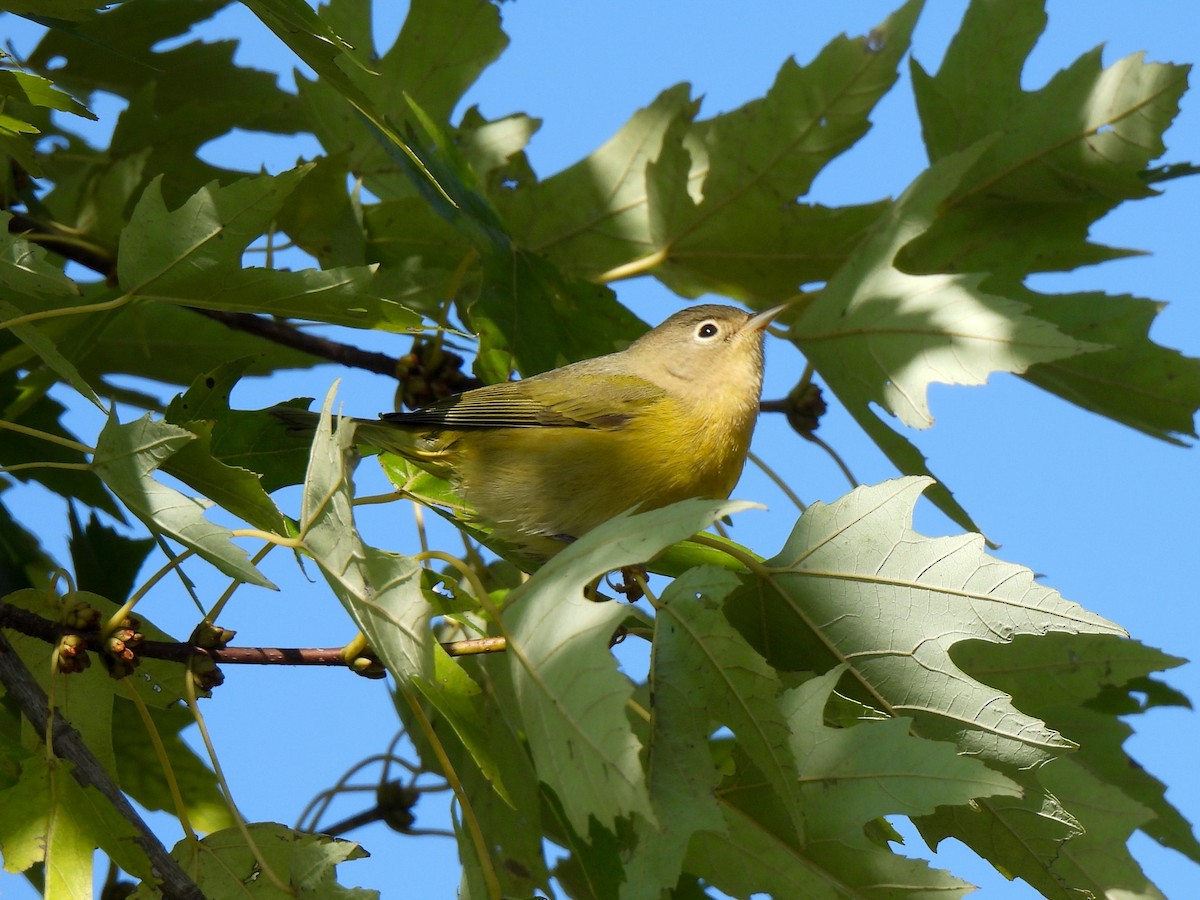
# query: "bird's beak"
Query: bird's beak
{"points": [[763, 319]]}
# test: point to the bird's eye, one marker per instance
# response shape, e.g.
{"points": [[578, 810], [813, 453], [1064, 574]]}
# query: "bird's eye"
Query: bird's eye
{"points": [[707, 330]]}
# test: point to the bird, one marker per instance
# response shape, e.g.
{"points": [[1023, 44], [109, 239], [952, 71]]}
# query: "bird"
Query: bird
{"points": [[545, 459]]}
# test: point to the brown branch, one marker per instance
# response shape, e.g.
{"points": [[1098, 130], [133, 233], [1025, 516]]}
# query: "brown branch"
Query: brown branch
{"points": [[280, 332], [100, 261], [33, 625], [87, 770], [66, 245]]}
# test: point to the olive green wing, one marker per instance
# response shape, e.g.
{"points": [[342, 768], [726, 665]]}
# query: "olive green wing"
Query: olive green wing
{"points": [[562, 398]]}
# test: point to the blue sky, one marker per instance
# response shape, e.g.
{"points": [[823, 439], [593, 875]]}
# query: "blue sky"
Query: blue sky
{"points": [[1105, 515]]}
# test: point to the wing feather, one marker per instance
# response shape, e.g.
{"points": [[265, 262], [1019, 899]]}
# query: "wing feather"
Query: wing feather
{"points": [[556, 399]]}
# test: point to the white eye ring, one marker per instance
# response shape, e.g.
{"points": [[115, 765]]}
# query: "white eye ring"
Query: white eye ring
{"points": [[707, 330]]}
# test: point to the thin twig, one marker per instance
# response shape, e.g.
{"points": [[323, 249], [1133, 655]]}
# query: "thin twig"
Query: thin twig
{"points": [[68, 745]]}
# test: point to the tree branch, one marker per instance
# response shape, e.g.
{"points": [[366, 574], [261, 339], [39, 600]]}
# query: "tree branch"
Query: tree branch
{"points": [[33, 625], [280, 332], [68, 745]]}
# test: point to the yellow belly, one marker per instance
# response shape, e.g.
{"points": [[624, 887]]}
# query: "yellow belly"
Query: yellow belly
{"points": [[565, 481]]}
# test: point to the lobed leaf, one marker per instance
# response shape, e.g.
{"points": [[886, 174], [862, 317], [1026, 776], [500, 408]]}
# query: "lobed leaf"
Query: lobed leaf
{"points": [[879, 335], [1135, 382], [855, 585], [381, 591], [204, 411], [1084, 684], [570, 696], [192, 256], [125, 458], [50, 818], [1071, 150], [743, 234], [224, 865]]}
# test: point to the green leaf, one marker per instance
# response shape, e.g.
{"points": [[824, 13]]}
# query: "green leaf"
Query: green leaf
{"points": [[849, 778], [223, 865], [594, 215], [315, 42], [236, 490], [913, 598], [37, 341], [50, 817], [442, 48], [38, 91], [125, 458], [192, 256], [703, 675], [23, 562], [255, 441], [69, 850], [1070, 151], [1137, 383], [1084, 684], [879, 335], [531, 318], [203, 410], [324, 220], [171, 344], [593, 867], [742, 234], [570, 696], [312, 40], [32, 285], [1098, 860], [168, 118], [23, 827], [440, 51], [513, 822], [751, 860], [875, 768], [1020, 835], [68, 10], [381, 591]]}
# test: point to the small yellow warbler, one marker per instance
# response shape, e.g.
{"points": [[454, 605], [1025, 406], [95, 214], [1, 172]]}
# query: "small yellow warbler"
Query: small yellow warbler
{"points": [[547, 458]]}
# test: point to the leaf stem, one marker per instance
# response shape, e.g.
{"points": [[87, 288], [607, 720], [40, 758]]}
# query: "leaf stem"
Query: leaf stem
{"points": [[189, 685], [116, 619], [733, 551], [61, 311], [779, 482], [841, 464], [278, 540], [635, 267], [163, 760], [481, 846], [46, 436], [19, 467]]}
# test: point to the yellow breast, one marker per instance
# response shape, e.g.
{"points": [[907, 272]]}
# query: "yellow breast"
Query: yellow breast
{"points": [[565, 481]]}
